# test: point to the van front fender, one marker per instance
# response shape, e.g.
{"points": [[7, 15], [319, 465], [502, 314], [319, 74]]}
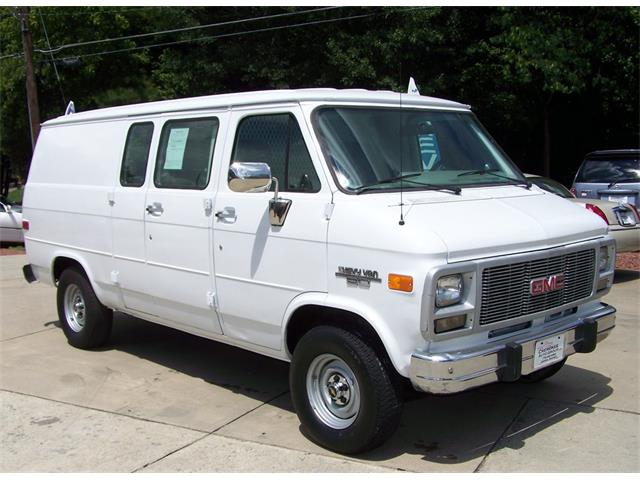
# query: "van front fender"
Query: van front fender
{"points": [[399, 354]]}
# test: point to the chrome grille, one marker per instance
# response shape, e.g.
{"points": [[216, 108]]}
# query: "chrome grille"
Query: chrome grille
{"points": [[505, 288]]}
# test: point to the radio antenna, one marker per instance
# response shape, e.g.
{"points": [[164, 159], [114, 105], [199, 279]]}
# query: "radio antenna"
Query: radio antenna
{"points": [[401, 222]]}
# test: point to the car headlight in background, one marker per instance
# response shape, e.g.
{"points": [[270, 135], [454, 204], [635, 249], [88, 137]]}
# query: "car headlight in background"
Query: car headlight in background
{"points": [[449, 290], [625, 216], [603, 261]]}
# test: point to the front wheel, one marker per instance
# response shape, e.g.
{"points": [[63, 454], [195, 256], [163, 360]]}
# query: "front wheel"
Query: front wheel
{"points": [[343, 394]]}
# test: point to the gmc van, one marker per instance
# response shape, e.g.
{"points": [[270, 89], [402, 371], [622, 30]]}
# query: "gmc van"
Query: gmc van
{"points": [[366, 237]]}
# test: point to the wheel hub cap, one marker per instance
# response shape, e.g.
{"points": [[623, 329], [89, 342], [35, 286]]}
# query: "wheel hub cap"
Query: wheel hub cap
{"points": [[74, 308], [339, 390], [333, 391]]}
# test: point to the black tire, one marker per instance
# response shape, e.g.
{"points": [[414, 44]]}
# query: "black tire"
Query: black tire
{"points": [[543, 373], [90, 329], [380, 400]]}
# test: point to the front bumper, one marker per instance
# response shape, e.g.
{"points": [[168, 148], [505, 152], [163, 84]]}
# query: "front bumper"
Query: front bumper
{"points": [[444, 373]]}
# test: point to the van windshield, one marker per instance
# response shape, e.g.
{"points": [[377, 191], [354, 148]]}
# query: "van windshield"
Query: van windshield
{"points": [[371, 148]]}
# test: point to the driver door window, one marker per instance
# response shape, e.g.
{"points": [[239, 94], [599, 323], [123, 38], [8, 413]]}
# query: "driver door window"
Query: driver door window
{"points": [[277, 141]]}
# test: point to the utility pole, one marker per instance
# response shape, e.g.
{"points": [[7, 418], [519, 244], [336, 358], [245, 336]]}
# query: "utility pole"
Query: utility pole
{"points": [[32, 87]]}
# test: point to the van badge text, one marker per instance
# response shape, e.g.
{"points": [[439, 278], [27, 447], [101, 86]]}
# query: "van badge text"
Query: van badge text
{"points": [[358, 276]]}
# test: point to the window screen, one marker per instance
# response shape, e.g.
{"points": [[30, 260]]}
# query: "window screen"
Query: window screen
{"points": [[185, 153], [277, 141], [136, 153], [429, 151]]}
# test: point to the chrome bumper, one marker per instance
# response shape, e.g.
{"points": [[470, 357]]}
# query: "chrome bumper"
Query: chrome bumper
{"points": [[444, 373]]}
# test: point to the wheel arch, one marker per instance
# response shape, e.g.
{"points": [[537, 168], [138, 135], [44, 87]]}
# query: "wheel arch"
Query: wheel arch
{"points": [[65, 259], [312, 310]]}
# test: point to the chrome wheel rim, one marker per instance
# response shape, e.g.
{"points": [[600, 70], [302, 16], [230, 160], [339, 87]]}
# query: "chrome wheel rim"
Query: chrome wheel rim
{"points": [[74, 308], [333, 391]]}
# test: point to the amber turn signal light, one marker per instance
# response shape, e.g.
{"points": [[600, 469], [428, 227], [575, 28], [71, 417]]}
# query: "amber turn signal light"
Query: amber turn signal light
{"points": [[402, 283]]}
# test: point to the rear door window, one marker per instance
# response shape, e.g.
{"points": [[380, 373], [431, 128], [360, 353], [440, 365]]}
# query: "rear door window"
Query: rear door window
{"points": [[606, 171]]}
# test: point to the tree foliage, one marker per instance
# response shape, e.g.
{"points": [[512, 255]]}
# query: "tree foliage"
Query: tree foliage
{"points": [[575, 67]]}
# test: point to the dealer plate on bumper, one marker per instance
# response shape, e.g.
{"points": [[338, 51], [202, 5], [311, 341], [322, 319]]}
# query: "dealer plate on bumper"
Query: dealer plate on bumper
{"points": [[548, 351]]}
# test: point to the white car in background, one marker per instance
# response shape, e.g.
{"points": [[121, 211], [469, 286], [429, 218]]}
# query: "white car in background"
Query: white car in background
{"points": [[622, 218], [10, 223]]}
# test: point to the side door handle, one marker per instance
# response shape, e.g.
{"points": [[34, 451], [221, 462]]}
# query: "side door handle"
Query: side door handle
{"points": [[227, 213], [155, 209]]}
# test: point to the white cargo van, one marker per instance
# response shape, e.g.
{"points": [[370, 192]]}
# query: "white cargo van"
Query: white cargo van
{"points": [[366, 237]]}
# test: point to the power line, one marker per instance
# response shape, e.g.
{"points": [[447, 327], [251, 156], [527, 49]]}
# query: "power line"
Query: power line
{"points": [[53, 61], [101, 10], [212, 37], [184, 29], [224, 35], [161, 32]]}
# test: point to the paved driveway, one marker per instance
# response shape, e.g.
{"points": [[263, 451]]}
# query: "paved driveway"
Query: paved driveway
{"points": [[156, 399]]}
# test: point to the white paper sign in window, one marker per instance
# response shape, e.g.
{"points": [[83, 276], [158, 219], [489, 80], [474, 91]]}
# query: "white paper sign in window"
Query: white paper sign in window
{"points": [[175, 148]]}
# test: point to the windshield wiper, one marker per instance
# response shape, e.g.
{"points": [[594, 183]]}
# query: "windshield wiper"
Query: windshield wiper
{"points": [[364, 188], [623, 180], [429, 186], [492, 171]]}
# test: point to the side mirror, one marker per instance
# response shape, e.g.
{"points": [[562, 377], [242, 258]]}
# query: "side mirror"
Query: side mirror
{"points": [[7, 208], [249, 177], [256, 177]]}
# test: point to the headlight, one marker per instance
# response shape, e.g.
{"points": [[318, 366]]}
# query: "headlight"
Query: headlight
{"points": [[603, 262], [449, 290]]}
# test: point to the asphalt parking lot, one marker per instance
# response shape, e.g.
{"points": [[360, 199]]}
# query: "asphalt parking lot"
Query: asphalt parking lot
{"points": [[158, 400]]}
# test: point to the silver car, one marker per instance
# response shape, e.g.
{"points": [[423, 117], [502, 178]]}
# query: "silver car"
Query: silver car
{"points": [[10, 223], [612, 175]]}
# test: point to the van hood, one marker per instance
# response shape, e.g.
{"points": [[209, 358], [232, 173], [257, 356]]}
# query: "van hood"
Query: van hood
{"points": [[479, 223]]}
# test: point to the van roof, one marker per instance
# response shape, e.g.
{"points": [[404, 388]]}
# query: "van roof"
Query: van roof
{"points": [[324, 95]]}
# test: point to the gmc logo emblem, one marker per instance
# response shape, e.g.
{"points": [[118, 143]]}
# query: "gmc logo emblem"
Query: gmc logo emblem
{"points": [[538, 286]]}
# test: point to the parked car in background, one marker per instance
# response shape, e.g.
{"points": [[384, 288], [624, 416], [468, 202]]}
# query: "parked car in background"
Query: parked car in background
{"points": [[623, 218], [10, 223], [612, 175]]}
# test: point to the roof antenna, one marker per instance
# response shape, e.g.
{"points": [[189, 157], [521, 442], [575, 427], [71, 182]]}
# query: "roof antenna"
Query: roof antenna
{"points": [[401, 222], [71, 108], [412, 89]]}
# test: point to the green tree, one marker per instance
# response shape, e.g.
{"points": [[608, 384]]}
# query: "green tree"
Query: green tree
{"points": [[550, 83]]}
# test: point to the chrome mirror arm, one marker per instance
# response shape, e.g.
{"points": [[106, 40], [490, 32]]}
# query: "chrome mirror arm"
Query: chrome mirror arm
{"points": [[278, 207]]}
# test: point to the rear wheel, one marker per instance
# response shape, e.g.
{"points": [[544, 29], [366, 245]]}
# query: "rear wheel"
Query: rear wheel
{"points": [[344, 396], [543, 373], [85, 321]]}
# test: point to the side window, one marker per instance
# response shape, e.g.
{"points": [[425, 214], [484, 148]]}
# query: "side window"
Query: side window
{"points": [[277, 141], [136, 153], [185, 153]]}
